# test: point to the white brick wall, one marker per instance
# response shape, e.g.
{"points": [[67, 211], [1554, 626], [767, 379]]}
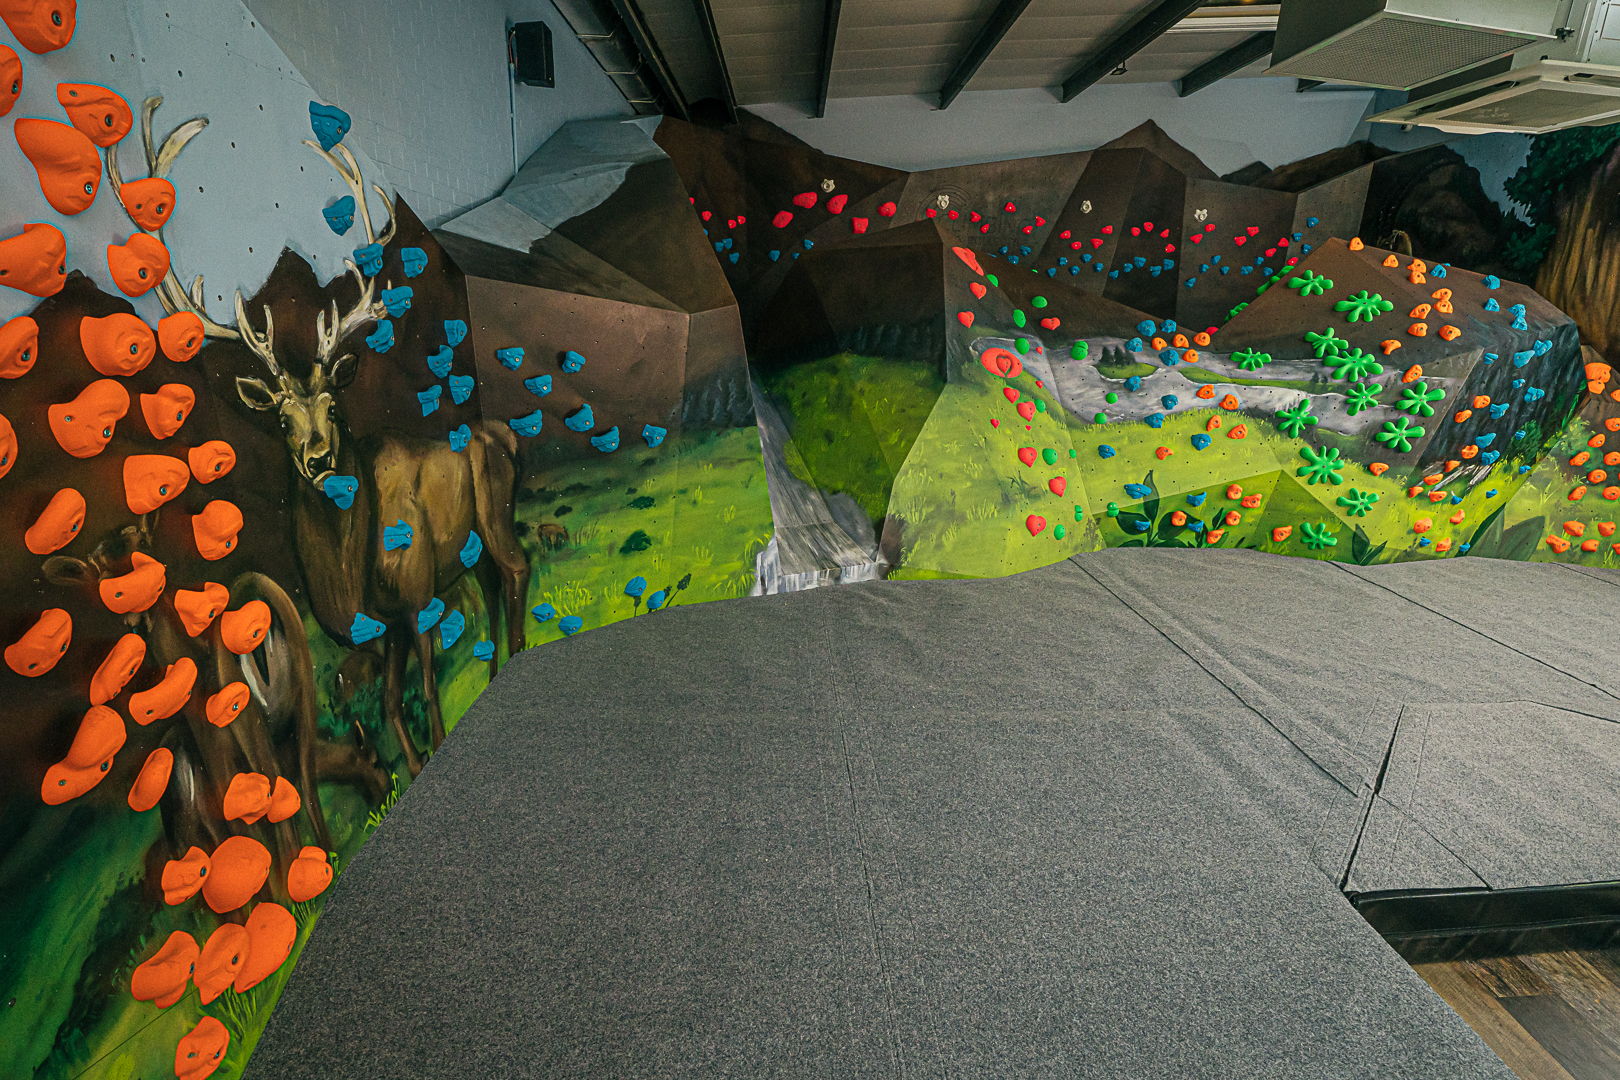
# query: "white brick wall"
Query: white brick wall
{"points": [[426, 84]]}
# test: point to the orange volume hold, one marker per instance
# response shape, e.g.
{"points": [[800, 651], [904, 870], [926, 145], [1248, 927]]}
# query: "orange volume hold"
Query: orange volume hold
{"points": [[165, 699], [138, 264], [102, 115], [57, 524], [41, 25], [223, 955], [162, 979], [100, 736], [284, 801], [66, 162], [117, 344], [123, 661], [38, 650], [153, 780], [19, 347], [309, 875], [247, 798], [84, 426], [35, 260]]}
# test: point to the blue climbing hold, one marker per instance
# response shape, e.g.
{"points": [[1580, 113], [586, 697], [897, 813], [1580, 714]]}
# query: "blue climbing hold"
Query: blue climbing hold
{"points": [[656, 600], [1488, 458], [340, 215], [369, 259], [484, 650], [1491, 358], [511, 359], [1541, 348], [1168, 326], [1522, 358], [1063, 261], [1133, 383], [1024, 249], [539, 386], [572, 623], [1204, 269], [1423, 541], [1311, 222], [1517, 383], [636, 586], [329, 123], [808, 244], [383, 338], [1523, 469], [1491, 494], [653, 434], [1485, 440], [1051, 271], [527, 425], [470, 551], [606, 442], [572, 361], [396, 536], [341, 489], [397, 301], [1195, 525], [1200, 441], [544, 613], [1138, 524], [1138, 491], [583, 420], [365, 629], [1246, 271], [1438, 270], [1169, 357], [1013, 259], [460, 437], [461, 388], [439, 362], [428, 617], [1086, 257], [1198, 499], [774, 255], [1491, 304], [1499, 411], [1518, 309], [451, 628], [455, 332], [1532, 394], [1106, 451], [1146, 328], [429, 398], [1074, 270], [1111, 273], [1191, 282], [413, 260], [1134, 345], [1169, 401], [1154, 420], [733, 257]]}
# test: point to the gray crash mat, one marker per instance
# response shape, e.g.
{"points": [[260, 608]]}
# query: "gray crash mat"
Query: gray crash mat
{"points": [[991, 828]]}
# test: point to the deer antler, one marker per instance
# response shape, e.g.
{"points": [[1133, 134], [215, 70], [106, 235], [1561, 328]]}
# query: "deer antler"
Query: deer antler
{"points": [[261, 345], [365, 310], [170, 293]]}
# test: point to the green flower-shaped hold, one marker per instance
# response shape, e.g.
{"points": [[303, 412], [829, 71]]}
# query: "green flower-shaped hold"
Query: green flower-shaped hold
{"points": [[1398, 434], [1415, 398], [1317, 537], [1358, 502], [1296, 420], [1325, 344], [1363, 395], [1324, 466], [1310, 283], [1249, 360], [1364, 306], [1353, 365]]}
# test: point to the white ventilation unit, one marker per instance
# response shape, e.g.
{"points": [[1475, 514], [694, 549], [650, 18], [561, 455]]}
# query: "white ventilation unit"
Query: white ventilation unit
{"points": [[1400, 44], [1571, 82]]}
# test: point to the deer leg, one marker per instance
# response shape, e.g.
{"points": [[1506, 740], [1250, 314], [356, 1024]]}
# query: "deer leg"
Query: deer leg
{"points": [[430, 687], [341, 763], [394, 657], [489, 587]]}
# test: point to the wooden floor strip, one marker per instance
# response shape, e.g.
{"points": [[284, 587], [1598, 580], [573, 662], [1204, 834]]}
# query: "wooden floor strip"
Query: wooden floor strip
{"points": [[1482, 1010]]}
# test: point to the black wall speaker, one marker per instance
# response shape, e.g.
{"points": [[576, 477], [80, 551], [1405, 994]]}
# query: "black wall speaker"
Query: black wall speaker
{"points": [[529, 49]]}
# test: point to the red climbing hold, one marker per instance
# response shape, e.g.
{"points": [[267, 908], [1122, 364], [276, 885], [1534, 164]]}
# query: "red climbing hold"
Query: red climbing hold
{"points": [[1026, 454], [731, 223], [1034, 523], [965, 318], [1096, 243], [1135, 231], [806, 199], [1002, 362], [953, 215], [1078, 244], [994, 422], [1240, 240], [1164, 234], [706, 215], [1196, 237], [1283, 242], [1064, 235], [971, 259], [1169, 249], [1253, 230], [985, 227], [1209, 227], [887, 210], [1026, 409], [1011, 392], [1270, 252], [1010, 208], [1040, 221], [973, 215], [974, 287], [781, 219], [1108, 230], [835, 205], [1050, 324], [1028, 229], [858, 224], [1147, 226], [1057, 484]]}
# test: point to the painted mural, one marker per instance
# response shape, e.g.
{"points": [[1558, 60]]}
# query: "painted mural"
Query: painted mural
{"points": [[267, 544]]}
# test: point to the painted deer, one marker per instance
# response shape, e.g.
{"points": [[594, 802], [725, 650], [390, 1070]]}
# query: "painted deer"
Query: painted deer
{"points": [[441, 493]]}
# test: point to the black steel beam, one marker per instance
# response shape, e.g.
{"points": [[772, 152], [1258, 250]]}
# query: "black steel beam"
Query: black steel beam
{"points": [[1001, 20], [1234, 59], [829, 42], [629, 13], [717, 53], [1306, 84], [1139, 35]]}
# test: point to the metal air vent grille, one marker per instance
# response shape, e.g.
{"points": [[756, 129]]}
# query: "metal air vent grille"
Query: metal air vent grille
{"points": [[1399, 53]]}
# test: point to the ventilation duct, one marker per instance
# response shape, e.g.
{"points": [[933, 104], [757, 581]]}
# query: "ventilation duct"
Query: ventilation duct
{"points": [[601, 31]]}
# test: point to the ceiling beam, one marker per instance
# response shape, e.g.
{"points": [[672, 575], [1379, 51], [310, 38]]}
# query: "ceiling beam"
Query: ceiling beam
{"points": [[829, 42], [1001, 21], [1232, 60], [1136, 37], [711, 35], [629, 13]]}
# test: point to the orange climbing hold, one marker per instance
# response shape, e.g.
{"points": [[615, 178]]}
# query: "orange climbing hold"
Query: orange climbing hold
{"points": [[1611, 493], [1214, 536], [123, 660], [1189, 357], [39, 649], [1481, 400], [184, 877], [1201, 339], [238, 868], [84, 426], [1443, 307], [1580, 459], [1232, 518], [137, 590], [41, 26], [1605, 528], [138, 264], [57, 524], [1230, 402], [1414, 491], [1596, 441], [222, 956], [1463, 415], [970, 259], [166, 410], [1612, 458], [99, 738], [1575, 528], [1378, 468], [162, 979], [1234, 491], [1416, 278], [1252, 501], [1422, 525], [100, 114], [1441, 294], [150, 480], [1178, 518], [1578, 494], [165, 699], [1596, 476], [1214, 423], [1449, 333], [1205, 391], [1392, 261], [211, 460], [1419, 312], [1281, 533], [1418, 329], [1389, 345], [1558, 544], [247, 798], [243, 630], [1180, 341], [118, 344], [1457, 518], [1158, 344], [201, 1050], [1163, 452], [35, 260], [227, 705], [1443, 544], [309, 875], [1239, 432], [1413, 373], [216, 528], [153, 780], [271, 933], [1436, 496], [197, 609], [284, 801], [1612, 423], [19, 347], [148, 203], [66, 162], [977, 289], [1450, 465], [1469, 452], [1356, 244]]}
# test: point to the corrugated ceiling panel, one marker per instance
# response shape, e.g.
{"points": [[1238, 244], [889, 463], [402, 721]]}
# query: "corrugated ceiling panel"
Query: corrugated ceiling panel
{"points": [[679, 33], [903, 46], [773, 50]]}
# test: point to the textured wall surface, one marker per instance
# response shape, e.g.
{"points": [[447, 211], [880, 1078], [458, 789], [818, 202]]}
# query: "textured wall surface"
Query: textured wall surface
{"points": [[426, 84]]}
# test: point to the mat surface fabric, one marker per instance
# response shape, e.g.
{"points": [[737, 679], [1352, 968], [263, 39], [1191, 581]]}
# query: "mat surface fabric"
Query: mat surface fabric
{"points": [[1096, 820]]}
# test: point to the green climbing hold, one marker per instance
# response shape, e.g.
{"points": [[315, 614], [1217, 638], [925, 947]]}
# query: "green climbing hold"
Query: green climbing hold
{"points": [[1079, 514], [1022, 346], [1398, 434], [1018, 318], [1358, 502], [991, 278], [1353, 365], [1113, 509], [1040, 406], [1364, 306], [1317, 537], [1250, 360], [1111, 398], [1101, 418], [1363, 395], [1060, 532], [1325, 344], [1049, 456], [1415, 399], [1073, 452], [1039, 301], [1324, 465], [1310, 283], [1294, 421], [1079, 351]]}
